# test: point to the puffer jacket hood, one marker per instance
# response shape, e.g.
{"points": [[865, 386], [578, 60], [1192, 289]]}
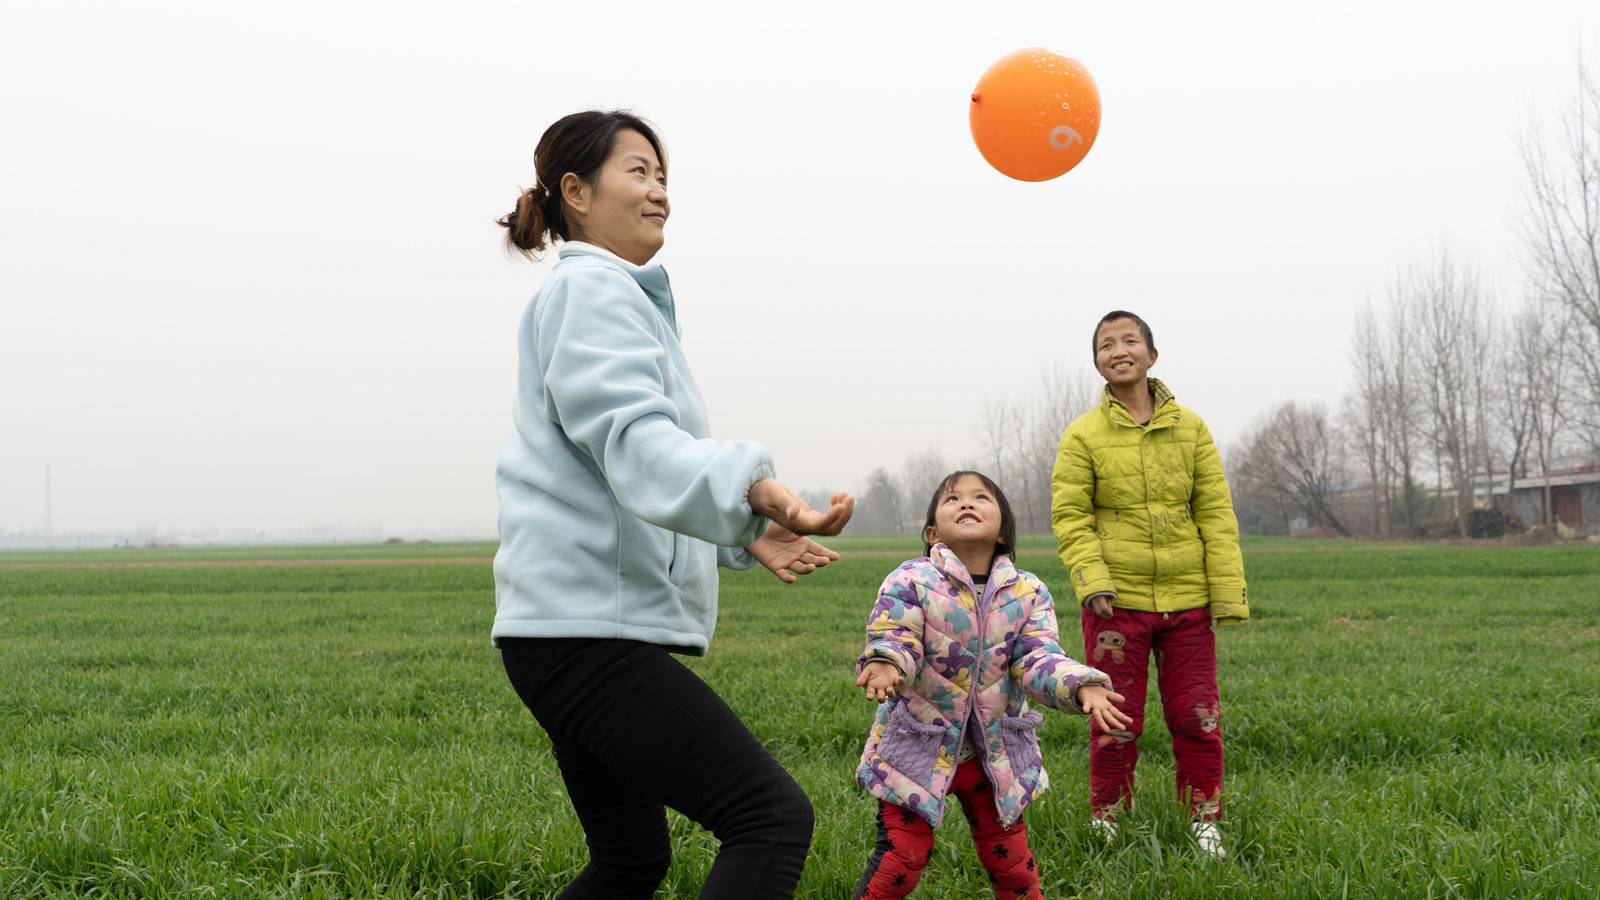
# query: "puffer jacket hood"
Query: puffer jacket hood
{"points": [[967, 657]]}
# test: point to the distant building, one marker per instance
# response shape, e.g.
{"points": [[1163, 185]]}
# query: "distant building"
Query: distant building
{"points": [[1574, 497]]}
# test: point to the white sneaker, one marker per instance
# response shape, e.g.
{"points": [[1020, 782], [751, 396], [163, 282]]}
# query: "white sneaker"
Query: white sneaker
{"points": [[1106, 829], [1209, 839]]}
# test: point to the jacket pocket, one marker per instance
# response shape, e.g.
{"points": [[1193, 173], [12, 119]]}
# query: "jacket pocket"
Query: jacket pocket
{"points": [[678, 564], [909, 745], [1021, 737]]}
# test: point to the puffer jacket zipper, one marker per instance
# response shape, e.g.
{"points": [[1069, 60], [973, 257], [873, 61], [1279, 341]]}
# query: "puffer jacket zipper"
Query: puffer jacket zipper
{"points": [[989, 589]]}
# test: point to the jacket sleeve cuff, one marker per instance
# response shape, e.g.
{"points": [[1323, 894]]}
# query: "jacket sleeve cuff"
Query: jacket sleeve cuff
{"points": [[761, 471], [1095, 676], [1088, 599], [880, 651], [736, 558], [1230, 603], [758, 523], [1089, 579]]}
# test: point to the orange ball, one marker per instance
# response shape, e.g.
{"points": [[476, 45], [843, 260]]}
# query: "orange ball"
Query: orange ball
{"points": [[1035, 114]]}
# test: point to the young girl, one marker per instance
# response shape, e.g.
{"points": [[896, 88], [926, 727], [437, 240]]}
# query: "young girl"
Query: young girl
{"points": [[973, 637]]}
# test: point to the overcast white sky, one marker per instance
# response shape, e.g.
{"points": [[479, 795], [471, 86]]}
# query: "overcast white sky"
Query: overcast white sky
{"points": [[248, 275]]}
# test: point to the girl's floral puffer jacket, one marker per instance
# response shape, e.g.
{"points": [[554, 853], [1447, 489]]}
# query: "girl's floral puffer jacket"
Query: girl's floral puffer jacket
{"points": [[964, 656]]}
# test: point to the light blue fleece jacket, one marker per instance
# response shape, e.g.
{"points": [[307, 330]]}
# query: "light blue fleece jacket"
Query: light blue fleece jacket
{"points": [[615, 505]]}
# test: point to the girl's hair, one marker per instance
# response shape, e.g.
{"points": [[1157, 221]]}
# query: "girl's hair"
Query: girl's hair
{"points": [[1007, 542], [1115, 314], [578, 143]]}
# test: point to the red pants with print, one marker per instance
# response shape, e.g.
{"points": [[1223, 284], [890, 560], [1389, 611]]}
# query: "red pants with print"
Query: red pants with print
{"points": [[905, 844], [1185, 650]]}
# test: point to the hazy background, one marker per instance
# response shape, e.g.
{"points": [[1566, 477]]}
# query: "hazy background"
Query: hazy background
{"points": [[249, 276]]}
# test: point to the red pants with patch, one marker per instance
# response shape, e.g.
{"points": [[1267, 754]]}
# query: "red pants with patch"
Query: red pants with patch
{"points": [[905, 844], [1185, 650]]}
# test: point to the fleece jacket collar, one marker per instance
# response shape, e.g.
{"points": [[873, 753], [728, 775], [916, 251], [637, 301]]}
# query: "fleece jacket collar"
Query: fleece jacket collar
{"points": [[651, 278]]}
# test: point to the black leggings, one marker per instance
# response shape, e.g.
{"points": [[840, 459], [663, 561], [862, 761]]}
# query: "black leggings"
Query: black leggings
{"points": [[634, 731]]}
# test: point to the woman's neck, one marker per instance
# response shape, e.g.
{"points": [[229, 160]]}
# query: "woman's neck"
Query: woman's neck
{"points": [[1136, 397], [597, 249]]}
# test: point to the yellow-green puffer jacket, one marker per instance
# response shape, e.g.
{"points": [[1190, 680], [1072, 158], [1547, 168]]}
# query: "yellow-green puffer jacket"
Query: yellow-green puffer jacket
{"points": [[1144, 511]]}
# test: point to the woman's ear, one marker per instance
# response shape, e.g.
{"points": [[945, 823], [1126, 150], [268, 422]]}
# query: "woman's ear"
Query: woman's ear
{"points": [[575, 193], [1153, 355]]}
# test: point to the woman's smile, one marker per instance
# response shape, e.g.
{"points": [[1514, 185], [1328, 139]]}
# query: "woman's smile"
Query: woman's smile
{"points": [[632, 177]]}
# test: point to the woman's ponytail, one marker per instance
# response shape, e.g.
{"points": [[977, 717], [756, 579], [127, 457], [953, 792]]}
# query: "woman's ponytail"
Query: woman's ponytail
{"points": [[528, 226], [580, 144]]}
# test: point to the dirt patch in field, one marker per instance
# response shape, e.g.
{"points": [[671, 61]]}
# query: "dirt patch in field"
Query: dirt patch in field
{"points": [[1359, 624], [227, 563]]}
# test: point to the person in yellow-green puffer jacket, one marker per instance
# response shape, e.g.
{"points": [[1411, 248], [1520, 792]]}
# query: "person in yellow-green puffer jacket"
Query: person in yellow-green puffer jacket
{"points": [[1144, 523]]}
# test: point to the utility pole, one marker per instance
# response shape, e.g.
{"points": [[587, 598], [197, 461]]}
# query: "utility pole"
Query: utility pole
{"points": [[49, 525]]}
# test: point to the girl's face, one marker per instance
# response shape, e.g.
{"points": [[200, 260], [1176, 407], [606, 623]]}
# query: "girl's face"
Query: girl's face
{"points": [[967, 517], [1121, 354], [625, 210]]}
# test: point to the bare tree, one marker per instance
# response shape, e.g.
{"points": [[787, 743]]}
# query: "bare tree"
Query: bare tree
{"points": [[1260, 508], [1382, 414], [1451, 341], [1019, 440], [1020, 452], [1519, 372], [1404, 405], [1294, 452], [1007, 435], [1540, 349], [1061, 394], [1491, 335], [997, 437], [1065, 393], [1581, 414], [880, 510], [1365, 416], [919, 475], [1561, 231]]}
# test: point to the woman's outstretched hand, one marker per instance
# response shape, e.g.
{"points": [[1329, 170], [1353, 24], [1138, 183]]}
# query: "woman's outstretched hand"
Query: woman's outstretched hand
{"points": [[789, 555], [771, 498]]}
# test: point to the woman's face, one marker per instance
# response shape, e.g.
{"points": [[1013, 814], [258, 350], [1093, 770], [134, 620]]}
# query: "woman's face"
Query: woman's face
{"points": [[625, 210]]}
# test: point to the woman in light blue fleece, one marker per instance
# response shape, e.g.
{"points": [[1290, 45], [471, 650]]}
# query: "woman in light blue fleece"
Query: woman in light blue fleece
{"points": [[616, 508]]}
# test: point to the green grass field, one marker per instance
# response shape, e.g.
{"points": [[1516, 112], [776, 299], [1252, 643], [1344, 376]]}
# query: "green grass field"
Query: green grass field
{"points": [[1401, 721]]}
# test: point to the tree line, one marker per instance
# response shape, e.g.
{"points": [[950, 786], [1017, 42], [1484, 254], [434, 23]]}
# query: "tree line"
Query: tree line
{"points": [[1451, 390]]}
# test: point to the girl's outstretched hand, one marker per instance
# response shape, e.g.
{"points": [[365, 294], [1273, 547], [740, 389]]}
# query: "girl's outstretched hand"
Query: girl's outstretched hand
{"points": [[789, 555], [771, 498], [1096, 701], [880, 678]]}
